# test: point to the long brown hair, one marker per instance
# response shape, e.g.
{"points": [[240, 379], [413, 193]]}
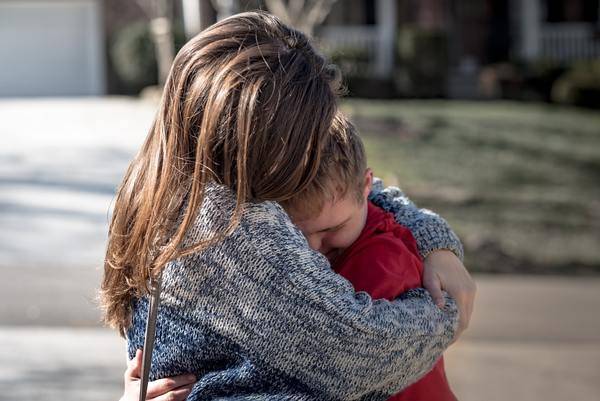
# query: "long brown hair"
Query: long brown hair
{"points": [[247, 104]]}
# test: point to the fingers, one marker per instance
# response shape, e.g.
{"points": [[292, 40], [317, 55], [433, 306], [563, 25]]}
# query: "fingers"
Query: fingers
{"points": [[470, 293], [134, 367], [174, 388], [443, 270], [179, 394], [161, 387], [465, 300], [432, 283]]}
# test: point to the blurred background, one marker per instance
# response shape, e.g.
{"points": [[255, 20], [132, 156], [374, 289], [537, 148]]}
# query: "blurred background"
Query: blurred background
{"points": [[485, 111]]}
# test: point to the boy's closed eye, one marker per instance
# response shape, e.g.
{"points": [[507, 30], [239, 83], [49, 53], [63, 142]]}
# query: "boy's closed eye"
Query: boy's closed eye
{"points": [[331, 229], [334, 228]]}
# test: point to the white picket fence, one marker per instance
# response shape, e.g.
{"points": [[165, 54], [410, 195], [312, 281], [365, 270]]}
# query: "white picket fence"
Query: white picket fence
{"points": [[562, 42], [567, 42]]}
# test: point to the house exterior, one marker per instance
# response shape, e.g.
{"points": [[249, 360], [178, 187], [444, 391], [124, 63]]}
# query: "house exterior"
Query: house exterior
{"points": [[476, 33], [560, 31], [62, 47], [51, 48]]}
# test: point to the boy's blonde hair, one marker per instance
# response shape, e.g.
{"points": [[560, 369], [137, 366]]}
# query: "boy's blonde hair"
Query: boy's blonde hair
{"points": [[341, 172]]}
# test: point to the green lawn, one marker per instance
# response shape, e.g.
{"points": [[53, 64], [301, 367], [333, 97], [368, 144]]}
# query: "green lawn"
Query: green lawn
{"points": [[520, 183]]}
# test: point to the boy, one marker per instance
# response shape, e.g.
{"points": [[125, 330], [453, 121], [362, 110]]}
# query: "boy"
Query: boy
{"points": [[363, 243]]}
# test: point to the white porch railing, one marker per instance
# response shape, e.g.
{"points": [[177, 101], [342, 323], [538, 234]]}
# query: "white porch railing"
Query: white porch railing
{"points": [[567, 42]]}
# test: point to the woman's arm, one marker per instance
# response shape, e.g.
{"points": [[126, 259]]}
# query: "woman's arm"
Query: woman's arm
{"points": [[265, 307], [443, 269], [430, 230], [351, 345]]}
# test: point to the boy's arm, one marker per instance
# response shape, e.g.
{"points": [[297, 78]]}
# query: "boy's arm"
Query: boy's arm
{"points": [[430, 230]]}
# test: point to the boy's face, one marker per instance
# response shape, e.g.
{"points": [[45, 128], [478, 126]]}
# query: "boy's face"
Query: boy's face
{"points": [[338, 224]]}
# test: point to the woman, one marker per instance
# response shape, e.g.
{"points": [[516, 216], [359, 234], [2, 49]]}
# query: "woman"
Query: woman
{"points": [[247, 306]]}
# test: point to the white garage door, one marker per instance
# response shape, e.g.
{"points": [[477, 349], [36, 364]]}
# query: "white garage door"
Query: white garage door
{"points": [[51, 48]]}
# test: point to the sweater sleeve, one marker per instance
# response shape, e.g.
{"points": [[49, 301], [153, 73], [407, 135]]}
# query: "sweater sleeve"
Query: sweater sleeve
{"points": [[430, 230]]}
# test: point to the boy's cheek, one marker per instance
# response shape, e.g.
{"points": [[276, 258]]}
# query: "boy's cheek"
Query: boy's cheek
{"points": [[337, 243]]}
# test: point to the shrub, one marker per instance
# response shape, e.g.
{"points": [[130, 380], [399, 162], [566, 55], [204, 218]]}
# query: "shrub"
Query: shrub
{"points": [[133, 56], [422, 61], [579, 86]]}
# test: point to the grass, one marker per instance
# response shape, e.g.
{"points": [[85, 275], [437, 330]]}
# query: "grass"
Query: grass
{"points": [[520, 183]]}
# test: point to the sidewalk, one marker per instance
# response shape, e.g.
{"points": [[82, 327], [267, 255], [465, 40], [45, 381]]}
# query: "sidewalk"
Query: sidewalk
{"points": [[60, 162], [60, 364], [531, 339], [524, 371]]}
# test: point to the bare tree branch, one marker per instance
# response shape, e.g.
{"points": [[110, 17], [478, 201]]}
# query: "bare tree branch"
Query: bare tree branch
{"points": [[225, 8], [278, 8], [317, 14], [302, 14], [296, 8], [159, 13]]}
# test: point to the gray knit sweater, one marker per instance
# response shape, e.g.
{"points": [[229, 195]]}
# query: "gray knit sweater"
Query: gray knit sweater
{"points": [[260, 316]]}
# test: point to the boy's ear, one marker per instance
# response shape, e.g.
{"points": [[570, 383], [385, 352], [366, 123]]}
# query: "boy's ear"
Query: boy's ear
{"points": [[368, 183]]}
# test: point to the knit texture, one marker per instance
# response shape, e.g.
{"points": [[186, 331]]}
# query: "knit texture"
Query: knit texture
{"points": [[429, 229], [261, 316]]}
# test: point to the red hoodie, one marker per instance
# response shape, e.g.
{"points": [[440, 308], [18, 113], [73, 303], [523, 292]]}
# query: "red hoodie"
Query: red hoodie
{"points": [[384, 262]]}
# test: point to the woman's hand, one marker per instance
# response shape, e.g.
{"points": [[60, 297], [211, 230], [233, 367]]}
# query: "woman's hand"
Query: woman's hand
{"points": [[444, 271], [175, 388]]}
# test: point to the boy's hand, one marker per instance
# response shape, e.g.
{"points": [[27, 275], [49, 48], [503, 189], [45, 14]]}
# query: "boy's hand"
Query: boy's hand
{"points": [[444, 271], [175, 388]]}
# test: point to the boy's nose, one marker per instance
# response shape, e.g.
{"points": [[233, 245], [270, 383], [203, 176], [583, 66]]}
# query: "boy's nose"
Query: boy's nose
{"points": [[314, 242]]}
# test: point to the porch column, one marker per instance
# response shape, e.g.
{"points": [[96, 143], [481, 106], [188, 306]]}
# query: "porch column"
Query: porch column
{"points": [[386, 30], [225, 8], [192, 17], [530, 22]]}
